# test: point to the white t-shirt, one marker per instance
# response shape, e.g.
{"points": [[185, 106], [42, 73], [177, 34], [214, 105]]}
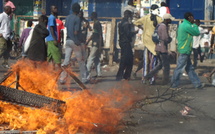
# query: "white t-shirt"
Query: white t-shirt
{"points": [[196, 39], [205, 39], [163, 10]]}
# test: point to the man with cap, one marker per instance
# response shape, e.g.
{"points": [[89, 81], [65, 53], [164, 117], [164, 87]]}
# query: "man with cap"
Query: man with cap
{"points": [[186, 31], [162, 50]]}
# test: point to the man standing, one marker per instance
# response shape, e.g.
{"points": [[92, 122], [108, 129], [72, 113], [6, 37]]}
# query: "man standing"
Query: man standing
{"points": [[97, 44], [163, 9], [196, 44], [37, 50], [149, 23], [186, 31], [54, 53], [85, 26], [125, 39], [60, 34], [162, 50], [73, 43], [5, 31], [60, 28], [24, 36]]}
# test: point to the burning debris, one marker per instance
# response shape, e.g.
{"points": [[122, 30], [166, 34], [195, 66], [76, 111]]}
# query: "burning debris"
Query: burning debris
{"points": [[85, 111]]}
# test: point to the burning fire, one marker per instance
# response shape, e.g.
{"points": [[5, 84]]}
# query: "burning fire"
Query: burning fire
{"points": [[86, 111]]}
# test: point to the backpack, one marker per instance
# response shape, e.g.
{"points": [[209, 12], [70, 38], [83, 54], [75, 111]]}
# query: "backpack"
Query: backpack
{"points": [[28, 41], [155, 36]]}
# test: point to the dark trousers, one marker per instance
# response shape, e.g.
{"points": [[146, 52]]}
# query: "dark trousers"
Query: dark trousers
{"points": [[5, 48], [6, 55], [126, 62], [162, 61], [196, 52]]}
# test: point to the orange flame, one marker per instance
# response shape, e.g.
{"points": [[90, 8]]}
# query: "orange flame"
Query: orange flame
{"points": [[86, 111]]}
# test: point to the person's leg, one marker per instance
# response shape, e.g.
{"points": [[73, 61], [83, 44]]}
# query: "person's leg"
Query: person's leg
{"points": [[83, 52], [97, 62], [192, 74], [181, 63], [6, 55], [153, 63], [3, 46], [195, 57], [121, 69], [145, 64], [91, 58], [68, 52], [202, 54], [166, 67], [140, 64], [82, 66], [55, 53], [66, 62], [155, 70], [129, 63]]}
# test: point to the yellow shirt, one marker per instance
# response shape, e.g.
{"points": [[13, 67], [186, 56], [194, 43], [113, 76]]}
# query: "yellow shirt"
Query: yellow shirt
{"points": [[148, 30]]}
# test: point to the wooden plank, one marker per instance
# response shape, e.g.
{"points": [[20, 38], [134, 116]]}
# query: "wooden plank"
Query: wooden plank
{"points": [[80, 84], [111, 52]]}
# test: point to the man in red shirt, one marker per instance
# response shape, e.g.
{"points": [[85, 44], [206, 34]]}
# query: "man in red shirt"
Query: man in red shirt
{"points": [[60, 27], [60, 34]]}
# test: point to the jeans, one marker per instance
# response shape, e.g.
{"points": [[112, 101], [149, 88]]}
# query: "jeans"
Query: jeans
{"points": [[80, 55], [162, 61], [184, 61], [94, 57]]}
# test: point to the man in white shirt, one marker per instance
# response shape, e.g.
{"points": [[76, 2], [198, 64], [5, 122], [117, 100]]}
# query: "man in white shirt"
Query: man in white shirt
{"points": [[163, 9], [5, 34], [196, 44]]}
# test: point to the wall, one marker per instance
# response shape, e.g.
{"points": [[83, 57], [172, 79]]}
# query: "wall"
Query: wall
{"points": [[105, 8], [63, 6], [179, 7]]}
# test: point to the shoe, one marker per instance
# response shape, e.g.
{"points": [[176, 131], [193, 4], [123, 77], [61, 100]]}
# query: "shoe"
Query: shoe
{"points": [[62, 82], [174, 87], [152, 82], [201, 86], [5, 66], [184, 74]]}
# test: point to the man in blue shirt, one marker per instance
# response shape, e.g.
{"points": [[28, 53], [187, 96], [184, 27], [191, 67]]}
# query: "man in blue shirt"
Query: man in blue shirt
{"points": [[54, 53]]}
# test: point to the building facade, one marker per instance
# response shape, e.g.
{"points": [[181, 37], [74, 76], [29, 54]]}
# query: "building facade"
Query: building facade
{"points": [[202, 9]]}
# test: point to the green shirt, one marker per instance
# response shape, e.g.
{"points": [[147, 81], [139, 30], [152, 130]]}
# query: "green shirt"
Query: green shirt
{"points": [[186, 31]]}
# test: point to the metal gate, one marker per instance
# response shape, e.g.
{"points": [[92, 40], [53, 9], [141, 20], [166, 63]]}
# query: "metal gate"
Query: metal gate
{"points": [[179, 7]]}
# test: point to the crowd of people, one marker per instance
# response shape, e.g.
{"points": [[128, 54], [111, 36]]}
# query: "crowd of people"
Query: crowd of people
{"points": [[46, 40]]}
